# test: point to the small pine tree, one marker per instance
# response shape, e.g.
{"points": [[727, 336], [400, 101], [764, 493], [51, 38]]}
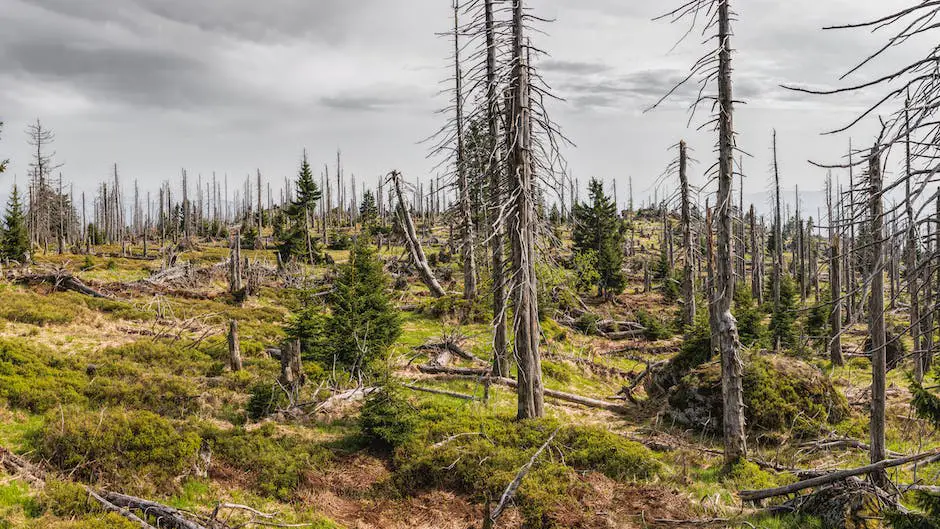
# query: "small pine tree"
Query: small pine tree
{"points": [[368, 211], [598, 229], [362, 323], [294, 241], [14, 244], [783, 318]]}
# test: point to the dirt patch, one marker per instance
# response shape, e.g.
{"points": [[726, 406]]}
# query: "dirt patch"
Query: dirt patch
{"points": [[609, 504], [344, 494]]}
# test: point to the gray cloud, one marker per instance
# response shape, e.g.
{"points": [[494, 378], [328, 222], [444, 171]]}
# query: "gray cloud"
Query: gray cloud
{"points": [[574, 67]]}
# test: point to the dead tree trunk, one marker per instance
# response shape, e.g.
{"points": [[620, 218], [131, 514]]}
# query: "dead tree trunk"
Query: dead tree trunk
{"points": [[463, 185], [911, 258], [835, 285], [757, 262], [877, 317], [414, 245], [778, 231], [732, 366], [500, 340], [710, 281], [234, 346], [291, 370], [235, 260], [688, 285], [522, 229]]}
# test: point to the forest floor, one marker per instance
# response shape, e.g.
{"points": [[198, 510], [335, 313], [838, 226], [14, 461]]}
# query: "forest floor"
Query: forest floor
{"points": [[121, 393]]}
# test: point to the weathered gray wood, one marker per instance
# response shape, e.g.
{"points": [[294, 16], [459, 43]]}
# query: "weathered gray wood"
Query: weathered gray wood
{"points": [[877, 317], [879, 467], [234, 346]]}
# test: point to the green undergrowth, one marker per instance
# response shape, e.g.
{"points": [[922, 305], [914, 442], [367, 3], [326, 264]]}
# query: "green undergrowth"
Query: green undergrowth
{"points": [[137, 449], [474, 452]]}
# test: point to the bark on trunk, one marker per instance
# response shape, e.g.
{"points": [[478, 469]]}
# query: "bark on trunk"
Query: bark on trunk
{"points": [[234, 347], [732, 366], [877, 318], [835, 287], [688, 285], [521, 177], [500, 340], [466, 215]]}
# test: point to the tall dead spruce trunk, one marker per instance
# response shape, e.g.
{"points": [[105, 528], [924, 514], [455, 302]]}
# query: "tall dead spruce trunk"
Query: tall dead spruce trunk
{"points": [[500, 340], [466, 216], [688, 286], [732, 367], [778, 230], [522, 229], [911, 257], [835, 285], [877, 317]]}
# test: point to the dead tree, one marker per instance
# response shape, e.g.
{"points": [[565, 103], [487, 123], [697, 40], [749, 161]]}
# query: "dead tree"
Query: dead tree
{"points": [[757, 261], [778, 229], [522, 229], [877, 316], [500, 340], [235, 265], [688, 285], [717, 14], [835, 284], [292, 377], [234, 347], [412, 241], [463, 185]]}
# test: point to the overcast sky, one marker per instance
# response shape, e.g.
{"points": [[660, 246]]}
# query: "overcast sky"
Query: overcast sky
{"points": [[234, 85]]}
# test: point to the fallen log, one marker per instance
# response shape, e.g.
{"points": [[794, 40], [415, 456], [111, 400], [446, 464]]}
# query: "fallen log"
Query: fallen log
{"points": [[444, 392], [755, 495], [560, 395], [451, 348], [169, 517], [125, 512], [414, 244], [429, 369], [59, 280]]}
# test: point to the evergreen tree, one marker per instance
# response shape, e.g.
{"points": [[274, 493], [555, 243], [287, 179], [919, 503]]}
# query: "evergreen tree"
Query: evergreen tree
{"points": [[362, 323], [14, 244], [783, 319], [294, 240], [368, 211], [598, 229]]}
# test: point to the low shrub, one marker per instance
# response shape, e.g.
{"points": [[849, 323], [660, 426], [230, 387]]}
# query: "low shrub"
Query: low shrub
{"points": [[36, 309], [67, 500], [276, 463], [116, 446], [479, 456], [33, 378], [266, 398], [654, 328]]}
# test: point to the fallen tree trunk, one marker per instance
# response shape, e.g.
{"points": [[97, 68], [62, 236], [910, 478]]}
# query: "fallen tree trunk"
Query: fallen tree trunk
{"points": [[560, 395], [414, 245], [125, 512], [444, 392], [451, 348], [429, 369], [169, 517], [59, 281], [755, 495]]}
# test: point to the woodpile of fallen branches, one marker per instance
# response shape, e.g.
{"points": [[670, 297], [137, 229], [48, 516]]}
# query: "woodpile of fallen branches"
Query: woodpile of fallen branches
{"points": [[59, 279]]}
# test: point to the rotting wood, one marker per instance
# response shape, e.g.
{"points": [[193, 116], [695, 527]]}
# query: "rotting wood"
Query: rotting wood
{"points": [[414, 244], [881, 466]]}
